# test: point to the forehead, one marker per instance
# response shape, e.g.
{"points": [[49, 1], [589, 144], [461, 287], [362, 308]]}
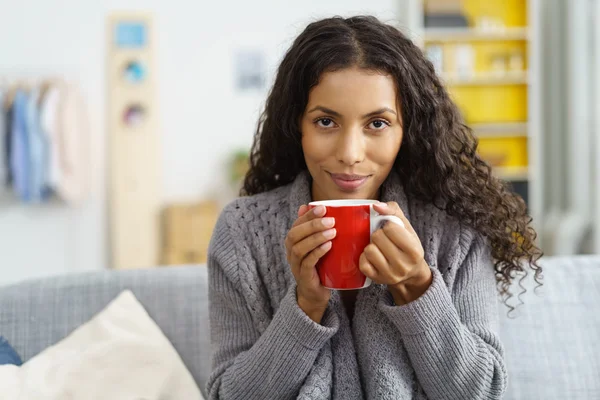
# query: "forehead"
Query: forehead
{"points": [[354, 89]]}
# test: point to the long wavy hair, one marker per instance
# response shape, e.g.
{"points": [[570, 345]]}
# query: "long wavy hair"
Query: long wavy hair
{"points": [[437, 161]]}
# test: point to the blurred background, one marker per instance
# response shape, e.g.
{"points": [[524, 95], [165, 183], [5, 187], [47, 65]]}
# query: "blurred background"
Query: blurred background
{"points": [[125, 125]]}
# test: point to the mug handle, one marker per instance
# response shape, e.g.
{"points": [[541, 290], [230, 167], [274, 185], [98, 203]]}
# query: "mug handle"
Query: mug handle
{"points": [[376, 221]]}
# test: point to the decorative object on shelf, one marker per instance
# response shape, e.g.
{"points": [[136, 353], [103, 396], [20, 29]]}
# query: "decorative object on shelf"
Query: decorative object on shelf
{"points": [[489, 24], [435, 54], [134, 115], [516, 61], [444, 14], [464, 59], [134, 72], [498, 64]]}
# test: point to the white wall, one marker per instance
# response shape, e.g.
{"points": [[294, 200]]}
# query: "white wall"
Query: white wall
{"points": [[202, 117]]}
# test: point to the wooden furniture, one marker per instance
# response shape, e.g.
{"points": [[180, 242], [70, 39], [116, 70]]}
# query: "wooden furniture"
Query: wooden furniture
{"points": [[187, 230], [132, 120]]}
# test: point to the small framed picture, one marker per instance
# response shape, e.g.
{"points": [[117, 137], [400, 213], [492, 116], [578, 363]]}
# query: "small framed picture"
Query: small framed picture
{"points": [[130, 35], [250, 70]]}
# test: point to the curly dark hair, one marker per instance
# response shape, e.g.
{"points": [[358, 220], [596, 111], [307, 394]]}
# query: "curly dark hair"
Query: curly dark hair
{"points": [[437, 161]]}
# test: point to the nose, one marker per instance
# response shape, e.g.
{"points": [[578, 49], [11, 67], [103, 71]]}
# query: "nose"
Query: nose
{"points": [[351, 147]]}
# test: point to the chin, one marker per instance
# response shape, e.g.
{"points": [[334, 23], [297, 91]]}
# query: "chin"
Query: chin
{"points": [[352, 195], [360, 194]]}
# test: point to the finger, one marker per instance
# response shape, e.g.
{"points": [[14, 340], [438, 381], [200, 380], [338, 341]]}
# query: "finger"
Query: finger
{"points": [[404, 240], [313, 213], [384, 208], [295, 235], [301, 249], [307, 268], [367, 268], [303, 210], [376, 259], [302, 231], [390, 251]]}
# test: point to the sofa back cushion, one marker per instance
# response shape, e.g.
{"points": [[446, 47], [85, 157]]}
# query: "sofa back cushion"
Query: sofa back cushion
{"points": [[552, 342], [37, 314]]}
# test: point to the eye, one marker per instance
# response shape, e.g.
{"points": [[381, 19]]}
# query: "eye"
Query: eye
{"points": [[325, 123], [378, 124]]}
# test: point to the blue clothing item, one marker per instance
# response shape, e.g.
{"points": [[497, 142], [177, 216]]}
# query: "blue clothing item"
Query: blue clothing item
{"points": [[7, 146], [8, 355], [3, 149], [19, 154]]}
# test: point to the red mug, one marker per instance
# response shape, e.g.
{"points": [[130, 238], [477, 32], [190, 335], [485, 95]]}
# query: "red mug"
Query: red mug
{"points": [[355, 222]]}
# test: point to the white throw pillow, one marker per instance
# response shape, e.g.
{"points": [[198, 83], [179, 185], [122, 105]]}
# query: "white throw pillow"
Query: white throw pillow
{"points": [[119, 354]]}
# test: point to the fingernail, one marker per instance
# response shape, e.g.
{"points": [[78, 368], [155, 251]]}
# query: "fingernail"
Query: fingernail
{"points": [[329, 234], [326, 246], [319, 210], [380, 204], [328, 222]]}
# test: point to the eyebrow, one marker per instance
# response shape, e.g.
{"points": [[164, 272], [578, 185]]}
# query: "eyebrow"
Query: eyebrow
{"points": [[337, 114]]}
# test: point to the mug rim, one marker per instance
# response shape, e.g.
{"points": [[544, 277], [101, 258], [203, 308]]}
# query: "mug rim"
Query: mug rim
{"points": [[343, 203]]}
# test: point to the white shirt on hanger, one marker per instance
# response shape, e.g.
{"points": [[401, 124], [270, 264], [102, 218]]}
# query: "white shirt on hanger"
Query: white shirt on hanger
{"points": [[49, 122]]}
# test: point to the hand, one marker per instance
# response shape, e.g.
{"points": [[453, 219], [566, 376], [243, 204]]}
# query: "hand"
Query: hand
{"points": [[395, 258], [308, 241]]}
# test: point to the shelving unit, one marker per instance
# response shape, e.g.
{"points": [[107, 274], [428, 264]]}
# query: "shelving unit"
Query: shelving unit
{"points": [[499, 129], [473, 34], [512, 173], [486, 78], [132, 120], [491, 68]]}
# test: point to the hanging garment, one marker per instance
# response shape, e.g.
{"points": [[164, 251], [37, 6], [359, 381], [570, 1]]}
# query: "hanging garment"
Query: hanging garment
{"points": [[38, 149], [8, 123], [74, 152], [3, 150], [49, 125], [19, 150]]}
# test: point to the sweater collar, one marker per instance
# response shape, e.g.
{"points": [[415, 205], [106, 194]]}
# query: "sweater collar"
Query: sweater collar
{"points": [[300, 193]]}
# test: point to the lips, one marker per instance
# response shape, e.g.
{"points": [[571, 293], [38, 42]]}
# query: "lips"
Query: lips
{"points": [[347, 182]]}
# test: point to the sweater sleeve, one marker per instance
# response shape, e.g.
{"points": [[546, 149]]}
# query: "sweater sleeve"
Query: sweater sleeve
{"points": [[247, 364], [451, 339]]}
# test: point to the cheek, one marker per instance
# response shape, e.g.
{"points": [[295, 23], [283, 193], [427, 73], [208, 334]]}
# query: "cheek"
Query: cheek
{"points": [[315, 148], [384, 152]]}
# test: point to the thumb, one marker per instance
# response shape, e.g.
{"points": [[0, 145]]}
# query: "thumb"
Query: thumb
{"points": [[384, 209]]}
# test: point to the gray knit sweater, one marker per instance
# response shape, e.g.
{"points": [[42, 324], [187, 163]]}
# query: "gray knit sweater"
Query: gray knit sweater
{"points": [[441, 346]]}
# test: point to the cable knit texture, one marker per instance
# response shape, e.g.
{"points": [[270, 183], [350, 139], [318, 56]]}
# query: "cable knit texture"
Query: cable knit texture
{"points": [[441, 346]]}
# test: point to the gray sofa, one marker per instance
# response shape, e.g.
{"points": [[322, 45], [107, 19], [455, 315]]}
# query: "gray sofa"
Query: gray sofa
{"points": [[552, 342]]}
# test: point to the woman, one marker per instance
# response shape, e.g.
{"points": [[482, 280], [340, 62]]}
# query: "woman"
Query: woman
{"points": [[356, 111]]}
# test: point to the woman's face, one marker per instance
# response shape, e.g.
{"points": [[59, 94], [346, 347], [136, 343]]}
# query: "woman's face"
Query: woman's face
{"points": [[351, 133]]}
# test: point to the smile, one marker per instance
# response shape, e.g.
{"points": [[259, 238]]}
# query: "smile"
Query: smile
{"points": [[348, 183]]}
